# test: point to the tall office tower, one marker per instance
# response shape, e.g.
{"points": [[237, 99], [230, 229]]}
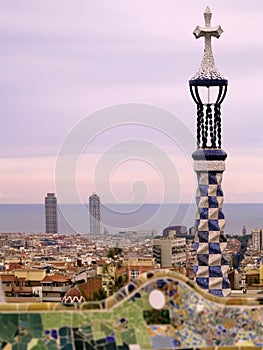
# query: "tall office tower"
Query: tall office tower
{"points": [[94, 214], [257, 238], [244, 230], [51, 213], [211, 268]]}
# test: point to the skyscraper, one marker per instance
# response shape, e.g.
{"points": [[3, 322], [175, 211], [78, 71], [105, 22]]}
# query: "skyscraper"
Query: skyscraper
{"points": [[51, 213], [94, 214], [257, 238]]}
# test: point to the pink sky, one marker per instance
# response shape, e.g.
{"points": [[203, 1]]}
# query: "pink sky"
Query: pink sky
{"points": [[61, 62]]}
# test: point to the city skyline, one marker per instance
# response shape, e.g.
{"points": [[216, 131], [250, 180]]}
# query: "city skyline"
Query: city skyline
{"points": [[61, 63]]}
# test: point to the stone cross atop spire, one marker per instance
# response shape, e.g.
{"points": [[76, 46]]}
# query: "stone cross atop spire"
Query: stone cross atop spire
{"points": [[208, 73]]}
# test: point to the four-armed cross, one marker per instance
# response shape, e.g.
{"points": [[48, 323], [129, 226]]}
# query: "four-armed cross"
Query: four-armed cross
{"points": [[208, 31], [208, 65]]}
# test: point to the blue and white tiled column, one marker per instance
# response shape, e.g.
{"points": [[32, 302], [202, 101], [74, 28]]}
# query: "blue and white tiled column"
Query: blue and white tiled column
{"points": [[211, 269]]}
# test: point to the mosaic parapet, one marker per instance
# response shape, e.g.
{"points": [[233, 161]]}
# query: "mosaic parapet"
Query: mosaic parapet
{"points": [[189, 318]]}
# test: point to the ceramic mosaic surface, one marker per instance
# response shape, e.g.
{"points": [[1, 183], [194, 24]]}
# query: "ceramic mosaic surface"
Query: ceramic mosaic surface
{"points": [[186, 317], [211, 270]]}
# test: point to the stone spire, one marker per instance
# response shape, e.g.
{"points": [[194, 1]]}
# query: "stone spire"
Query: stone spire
{"points": [[211, 268], [208, 71]]}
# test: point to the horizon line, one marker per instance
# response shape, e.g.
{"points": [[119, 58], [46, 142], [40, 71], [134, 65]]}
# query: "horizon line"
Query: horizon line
{"points": [[112, 203]]}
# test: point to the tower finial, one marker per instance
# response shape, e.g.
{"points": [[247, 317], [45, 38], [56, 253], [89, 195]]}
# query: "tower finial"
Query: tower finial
{"points": [[209, 124], [207, 16], [208, 72]]}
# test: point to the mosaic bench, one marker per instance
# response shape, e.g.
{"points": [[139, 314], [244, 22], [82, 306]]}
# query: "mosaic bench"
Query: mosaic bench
{"points": [[159, 310]]}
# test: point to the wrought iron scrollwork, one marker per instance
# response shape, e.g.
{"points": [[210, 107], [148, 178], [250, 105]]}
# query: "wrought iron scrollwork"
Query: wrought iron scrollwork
{"points": [[208, 118]]}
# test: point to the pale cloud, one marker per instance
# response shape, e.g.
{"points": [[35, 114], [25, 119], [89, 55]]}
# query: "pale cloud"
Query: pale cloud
{"points": [[60, 62], [26, 180], [243, 179]]}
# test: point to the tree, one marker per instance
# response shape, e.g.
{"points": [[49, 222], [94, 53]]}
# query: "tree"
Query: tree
{"points": [[237, 258], [114, 251], [115, 282], [99, 295]]}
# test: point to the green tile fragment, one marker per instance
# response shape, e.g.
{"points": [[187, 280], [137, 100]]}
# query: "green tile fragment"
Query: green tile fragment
{"points": [[24, 337], [56, 319], [106, 330], [118, 338], [143, 338], [86, 330], [9, 327], [95, 326], [32, 322], [98, 335], [38, 345], [128, 336], [140, 303], [116, 311], [110, 346], [80, 318]]}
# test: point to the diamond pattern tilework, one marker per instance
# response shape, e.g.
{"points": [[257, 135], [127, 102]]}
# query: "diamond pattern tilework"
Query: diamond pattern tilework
{"points": [[210, 243]]}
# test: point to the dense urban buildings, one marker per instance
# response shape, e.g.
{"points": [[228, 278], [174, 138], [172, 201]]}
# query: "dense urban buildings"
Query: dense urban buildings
{"points": [[51, 213], [44, 267], [94, 214], [179, 230]]}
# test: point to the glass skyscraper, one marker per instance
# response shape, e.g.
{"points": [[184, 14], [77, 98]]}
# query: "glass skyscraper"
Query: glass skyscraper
{"points": [[51, 213], [94, 214]]}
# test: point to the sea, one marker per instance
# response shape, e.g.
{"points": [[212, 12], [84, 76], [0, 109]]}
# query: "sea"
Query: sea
{"points": [[153, 218]]}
